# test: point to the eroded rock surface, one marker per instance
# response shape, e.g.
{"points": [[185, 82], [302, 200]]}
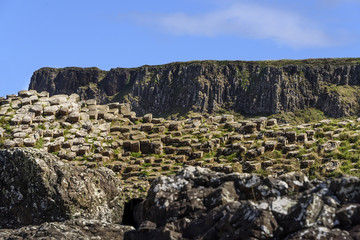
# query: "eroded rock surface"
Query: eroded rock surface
{"points": [[37, 187], [255, 88], [79, 229], [198, 203]]}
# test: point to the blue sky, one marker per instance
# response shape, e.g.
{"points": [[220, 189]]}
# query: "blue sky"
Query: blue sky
{"points": [[119, 33]]}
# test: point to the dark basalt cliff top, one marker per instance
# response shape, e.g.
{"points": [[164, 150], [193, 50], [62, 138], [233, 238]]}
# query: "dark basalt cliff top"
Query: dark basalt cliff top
{"points": [[245, 87]]}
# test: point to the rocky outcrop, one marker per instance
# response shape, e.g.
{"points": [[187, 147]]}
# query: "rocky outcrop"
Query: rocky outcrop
{"points": [[201, 204], [75, 229], [253, 88], [43, 198], [37, 187], [141, 148]]}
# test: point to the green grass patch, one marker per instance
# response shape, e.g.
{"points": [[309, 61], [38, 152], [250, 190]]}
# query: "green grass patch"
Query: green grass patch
{"points": [[136, 154], [299, 116]]}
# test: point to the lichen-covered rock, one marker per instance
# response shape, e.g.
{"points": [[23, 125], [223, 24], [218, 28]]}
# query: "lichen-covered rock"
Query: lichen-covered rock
{"points": [[36, 187], [71, 229], [198, 203]]}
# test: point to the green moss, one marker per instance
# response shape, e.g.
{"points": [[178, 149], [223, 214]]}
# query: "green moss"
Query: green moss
{"points": [[209, 154], [144, 173], [231, 157], [3, 121], [40, 143], [7, 128], [261, 172], [41, 126], [300, 116], [145, 165], [136, 154]]}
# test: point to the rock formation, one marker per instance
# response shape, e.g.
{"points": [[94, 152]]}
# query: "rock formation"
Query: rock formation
{"points": [[84, 165], [201, 204], [139, 149], [37, 187], [251, 88], [71, 229]]}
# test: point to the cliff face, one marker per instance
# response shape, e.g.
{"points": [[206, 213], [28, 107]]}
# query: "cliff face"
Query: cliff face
{"points": [[253, 88]]}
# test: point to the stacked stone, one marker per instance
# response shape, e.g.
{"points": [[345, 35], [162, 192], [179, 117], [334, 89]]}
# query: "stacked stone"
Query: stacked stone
{"points": [[141, 148]]}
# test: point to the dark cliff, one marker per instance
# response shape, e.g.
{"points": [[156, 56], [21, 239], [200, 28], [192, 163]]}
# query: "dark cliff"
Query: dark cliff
{"points": [[251, 88]]}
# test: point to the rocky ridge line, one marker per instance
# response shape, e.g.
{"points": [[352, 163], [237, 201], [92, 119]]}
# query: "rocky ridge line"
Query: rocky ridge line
{"points": [[250, 88]]}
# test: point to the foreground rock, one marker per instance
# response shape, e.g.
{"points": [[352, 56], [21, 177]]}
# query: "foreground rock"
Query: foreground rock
{"points": [[80, 230], [201, 204], [37, 187]]}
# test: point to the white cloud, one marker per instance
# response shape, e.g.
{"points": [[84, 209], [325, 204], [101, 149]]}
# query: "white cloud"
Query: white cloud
{"points": [[244, 20]]}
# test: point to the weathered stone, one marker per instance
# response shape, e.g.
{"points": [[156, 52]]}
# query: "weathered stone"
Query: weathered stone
{"points": [[175, 126], [329, 146], [237, 137], [291, 136], [25, 94], [51, 110], [157, 147], [227, 118], [124, 108], [135, 146], [70, 156], [147, 118], [198, 154], [64, 110], [29, 142], [102, 110], [124, 129], [37, 109], [9, 143], [73, 117], [157, 120], [93, 114], [302, 138], [71, 229], [147, 127], [25, 101], [37, 187], [83, 150], [55, 146], [270, 145], [48, 133], [58, 99], [145, 146], [271, 122], [322, 233], [248, 128]]}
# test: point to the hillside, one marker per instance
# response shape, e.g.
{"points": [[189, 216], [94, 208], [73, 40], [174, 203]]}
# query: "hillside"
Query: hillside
{"points": [[249, 88], [76, 168], [140, 148]]}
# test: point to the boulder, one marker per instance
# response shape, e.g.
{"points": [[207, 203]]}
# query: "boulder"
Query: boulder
{"points": [[198, 203], [71, 229], [37, 187]]}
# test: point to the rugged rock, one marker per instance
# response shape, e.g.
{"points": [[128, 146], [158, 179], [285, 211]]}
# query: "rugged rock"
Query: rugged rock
{"points": [[201, 204], [37, 187], [254, 88], [71, 229]]}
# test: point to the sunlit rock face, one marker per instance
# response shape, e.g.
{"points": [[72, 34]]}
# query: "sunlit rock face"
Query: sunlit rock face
{"points": [[252, 88], [37, 187], [201, 204]]}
